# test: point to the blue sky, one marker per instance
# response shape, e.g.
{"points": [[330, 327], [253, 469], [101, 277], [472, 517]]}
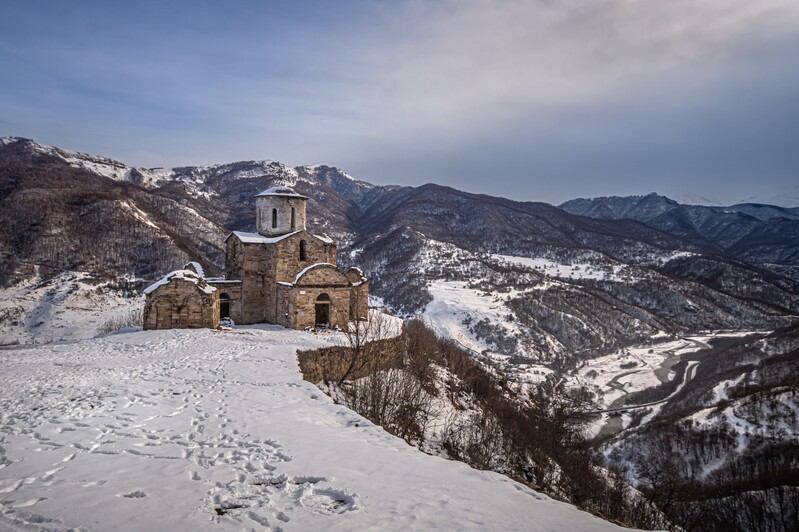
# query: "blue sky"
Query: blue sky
{"points": [[533, 100]]}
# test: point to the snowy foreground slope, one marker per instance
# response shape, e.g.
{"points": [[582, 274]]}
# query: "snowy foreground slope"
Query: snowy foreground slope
{"points": [[209, 430]]}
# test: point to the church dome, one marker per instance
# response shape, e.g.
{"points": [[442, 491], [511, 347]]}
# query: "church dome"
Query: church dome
{"points": [[280, 191], [280, 210]]}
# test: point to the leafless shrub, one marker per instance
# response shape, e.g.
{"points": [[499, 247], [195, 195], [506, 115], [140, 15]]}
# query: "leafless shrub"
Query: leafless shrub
{"points": [[536, 438], [131, 318]]}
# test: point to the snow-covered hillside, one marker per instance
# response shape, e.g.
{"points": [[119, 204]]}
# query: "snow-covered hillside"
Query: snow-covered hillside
{"points": [[188, 430], [194, 177], [69, 306]]}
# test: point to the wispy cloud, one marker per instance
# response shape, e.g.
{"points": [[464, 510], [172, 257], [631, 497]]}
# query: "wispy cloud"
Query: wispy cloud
{"points": [[555, 99]]}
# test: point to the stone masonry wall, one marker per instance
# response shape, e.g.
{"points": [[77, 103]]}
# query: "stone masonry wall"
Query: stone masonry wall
{"points": [[180, 304], [288, 249], [233, 290], [263, 214], [257, 286], [359, 301], [234, 258], [301, 306]]}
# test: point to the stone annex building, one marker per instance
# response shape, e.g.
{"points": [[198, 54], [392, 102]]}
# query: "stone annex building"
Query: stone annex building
{"points": [[282, 274]]}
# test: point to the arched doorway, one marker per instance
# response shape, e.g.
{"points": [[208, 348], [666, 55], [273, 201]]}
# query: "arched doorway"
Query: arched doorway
{"points": [[322, 311], [224, 305]]}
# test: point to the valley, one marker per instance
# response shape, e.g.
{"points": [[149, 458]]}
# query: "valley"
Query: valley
{"points": [[678, 322]]}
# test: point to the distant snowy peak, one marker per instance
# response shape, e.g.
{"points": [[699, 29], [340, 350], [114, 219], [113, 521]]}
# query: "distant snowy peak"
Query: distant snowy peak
{"points": [[788, 200], [97, 164], [104, 166], [281, 174], [193, 176], [360, 192]]}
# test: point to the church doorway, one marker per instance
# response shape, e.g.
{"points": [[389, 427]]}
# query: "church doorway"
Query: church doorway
{"points": [[224, 305], [322, 310]]}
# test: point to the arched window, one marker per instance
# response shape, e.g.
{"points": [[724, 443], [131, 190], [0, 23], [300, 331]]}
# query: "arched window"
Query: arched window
{"points": [[302, 250], [274, 218], [293, 221]]}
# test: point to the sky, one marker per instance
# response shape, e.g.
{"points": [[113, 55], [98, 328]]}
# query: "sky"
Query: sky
{"points": [[542, 100]]}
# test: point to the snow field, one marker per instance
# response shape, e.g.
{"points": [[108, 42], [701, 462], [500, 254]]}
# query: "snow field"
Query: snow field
{"points": [[577, 270], [65, 308], [453, 301], [629, 370], [188, 430]]}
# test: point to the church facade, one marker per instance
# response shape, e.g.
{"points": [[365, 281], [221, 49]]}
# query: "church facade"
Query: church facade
{"points": [[280, 274]]}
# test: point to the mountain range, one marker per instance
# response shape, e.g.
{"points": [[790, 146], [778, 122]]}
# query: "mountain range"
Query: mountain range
{"points": [[589, 287], [732, 268]]}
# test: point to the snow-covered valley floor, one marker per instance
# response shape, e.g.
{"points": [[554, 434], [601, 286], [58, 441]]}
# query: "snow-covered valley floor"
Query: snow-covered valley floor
{"points": [[209, 430]]}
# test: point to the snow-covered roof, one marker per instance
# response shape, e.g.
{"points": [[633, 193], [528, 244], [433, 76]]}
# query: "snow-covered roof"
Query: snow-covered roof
{"points": [[196, 267], [258, 238], [306, 270], [312, 267], [281, 191], [324, 238], [358, 271], [186, 275]]}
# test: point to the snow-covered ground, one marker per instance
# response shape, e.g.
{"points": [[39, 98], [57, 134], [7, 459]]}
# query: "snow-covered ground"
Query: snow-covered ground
{"points": [[454, 301], [206, 430], [68, 307], [751, 416], [633, 369], [576, 270], [456, 308]]}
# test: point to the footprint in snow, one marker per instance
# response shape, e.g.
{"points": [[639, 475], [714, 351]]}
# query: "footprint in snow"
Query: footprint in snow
{"points": [[138, 494], [29, 502], [13, 486], [328, 501], [263, 521], [307, 493], [48, 475]]}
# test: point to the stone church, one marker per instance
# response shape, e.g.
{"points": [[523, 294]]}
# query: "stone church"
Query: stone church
{"points": [[281, 274]]}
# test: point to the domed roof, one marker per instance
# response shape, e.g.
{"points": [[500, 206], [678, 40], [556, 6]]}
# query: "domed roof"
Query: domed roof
{"points": [[281, 191]]}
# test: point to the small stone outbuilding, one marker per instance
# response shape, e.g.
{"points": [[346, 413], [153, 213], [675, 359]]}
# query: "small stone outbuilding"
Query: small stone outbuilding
{"points": [[281, 274], [183, 299]]}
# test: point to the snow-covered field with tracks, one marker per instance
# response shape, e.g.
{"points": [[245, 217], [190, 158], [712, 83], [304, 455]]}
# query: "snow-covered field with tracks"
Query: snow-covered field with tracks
{"points": [[216, 430]]}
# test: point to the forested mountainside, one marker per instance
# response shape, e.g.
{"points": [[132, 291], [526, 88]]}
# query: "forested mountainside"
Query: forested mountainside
{"points": [[597, 293], [767, 235], [723, 452], [72, 211], [565, 285], [594, 281]]}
